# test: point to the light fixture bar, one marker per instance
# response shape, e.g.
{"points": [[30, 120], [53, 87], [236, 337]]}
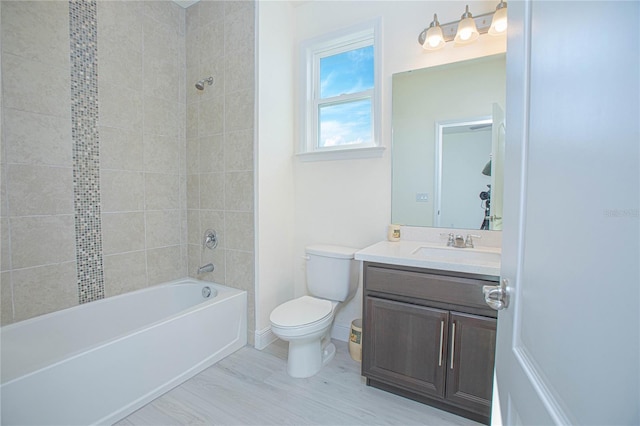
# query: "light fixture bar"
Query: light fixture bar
{"points": [[483, 23]]}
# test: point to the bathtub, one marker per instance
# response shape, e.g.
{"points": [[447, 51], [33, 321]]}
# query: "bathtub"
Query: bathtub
{"points": [[99, 362]]}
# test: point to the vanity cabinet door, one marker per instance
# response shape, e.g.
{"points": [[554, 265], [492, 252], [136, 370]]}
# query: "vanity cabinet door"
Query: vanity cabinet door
{"points": [[406, 345], [471, 360]]}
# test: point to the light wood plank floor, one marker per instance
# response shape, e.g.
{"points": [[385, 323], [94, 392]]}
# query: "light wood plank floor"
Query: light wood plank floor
{"points": [[251, 387]]}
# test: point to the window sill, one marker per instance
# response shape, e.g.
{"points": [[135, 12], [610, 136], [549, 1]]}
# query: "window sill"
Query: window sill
{"points": [[341, 154]]}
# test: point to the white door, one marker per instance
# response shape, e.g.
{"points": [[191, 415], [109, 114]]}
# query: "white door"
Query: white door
{"points": [[568, 343], [497, 166]]}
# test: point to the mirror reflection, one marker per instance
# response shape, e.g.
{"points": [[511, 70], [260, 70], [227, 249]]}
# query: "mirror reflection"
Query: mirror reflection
{"points": [[448, 142]]}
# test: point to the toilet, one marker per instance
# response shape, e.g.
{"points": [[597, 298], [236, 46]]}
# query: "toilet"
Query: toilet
{"points": [[305, 322]]}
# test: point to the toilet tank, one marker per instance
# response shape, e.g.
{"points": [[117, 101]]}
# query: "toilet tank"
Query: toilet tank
{"points": [[332, 273]]}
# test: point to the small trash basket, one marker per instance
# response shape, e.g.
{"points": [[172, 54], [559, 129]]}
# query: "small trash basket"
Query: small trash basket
{"points": [[355, 340]]}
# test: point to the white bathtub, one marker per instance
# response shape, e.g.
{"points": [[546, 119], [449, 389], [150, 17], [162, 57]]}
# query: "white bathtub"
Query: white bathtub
{"points": [[98, 362]]}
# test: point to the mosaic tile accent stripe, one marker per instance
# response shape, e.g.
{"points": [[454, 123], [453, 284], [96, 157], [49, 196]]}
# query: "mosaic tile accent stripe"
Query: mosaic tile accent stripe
{"points": [[86, 162]]}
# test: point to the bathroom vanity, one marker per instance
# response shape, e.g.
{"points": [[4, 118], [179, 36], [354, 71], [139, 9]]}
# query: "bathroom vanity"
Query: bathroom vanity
{"points": [[428, 333]]}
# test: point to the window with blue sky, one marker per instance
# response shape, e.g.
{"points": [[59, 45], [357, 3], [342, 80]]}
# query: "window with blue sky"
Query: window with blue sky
{"points": [[342, 119], [339, 102]]}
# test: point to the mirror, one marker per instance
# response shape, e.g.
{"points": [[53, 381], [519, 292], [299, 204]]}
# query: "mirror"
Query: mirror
{"points": [[448, 128]]}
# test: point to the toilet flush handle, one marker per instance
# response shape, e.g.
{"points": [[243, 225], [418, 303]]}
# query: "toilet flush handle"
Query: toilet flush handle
{"points": [[305, 257]]}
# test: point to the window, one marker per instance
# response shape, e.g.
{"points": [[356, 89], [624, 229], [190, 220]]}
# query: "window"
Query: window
{"points": [[340, 105]]}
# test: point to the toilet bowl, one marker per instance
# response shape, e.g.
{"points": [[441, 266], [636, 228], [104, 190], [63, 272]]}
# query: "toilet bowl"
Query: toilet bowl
{"points": [[305, 322]]}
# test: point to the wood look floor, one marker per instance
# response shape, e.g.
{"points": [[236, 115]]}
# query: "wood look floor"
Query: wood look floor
{"points": [[251, 387]]}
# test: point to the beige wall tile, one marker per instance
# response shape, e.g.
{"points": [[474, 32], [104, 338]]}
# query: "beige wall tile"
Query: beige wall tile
{"points": [[238, 190], [239, 231], [39, 190], [212, 191], [194, 236], [121, 149], [41, 240], [192, 117], [238, 110], [119, 107], [162, 76], [165, 12], [6, 299], [37, 139], [238, 150], [210, 42], [40, 290], [210, 11], [120, 65], [165, 264], [239, 68], [239, 24], [193, 260], [37, 30], [211, 153], [161, 117], [5, 238], [25, 89], [120, 23], [240, 269], [162, 191], [121, 191], [124, 272], [193, 191], [193, 152], [163, 228], [161, 154], [123, 232], [211, 116]]}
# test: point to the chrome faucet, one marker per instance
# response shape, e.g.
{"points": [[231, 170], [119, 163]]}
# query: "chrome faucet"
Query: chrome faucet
{"points": [[455, 241], [461, 242], [206, 268]]}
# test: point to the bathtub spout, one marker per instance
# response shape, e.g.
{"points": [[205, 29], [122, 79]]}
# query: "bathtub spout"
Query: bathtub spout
{"points": [[206, 268]]}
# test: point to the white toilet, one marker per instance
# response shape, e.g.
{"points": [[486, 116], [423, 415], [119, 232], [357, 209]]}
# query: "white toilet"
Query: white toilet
{"points": [[305, 322]]}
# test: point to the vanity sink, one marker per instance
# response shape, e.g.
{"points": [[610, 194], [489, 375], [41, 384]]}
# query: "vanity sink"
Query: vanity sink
{"points": [[483, 260], [445, 254]]}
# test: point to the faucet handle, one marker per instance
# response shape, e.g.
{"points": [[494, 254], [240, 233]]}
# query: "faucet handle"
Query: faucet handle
{"points": [[450, 236], [468, 242]]}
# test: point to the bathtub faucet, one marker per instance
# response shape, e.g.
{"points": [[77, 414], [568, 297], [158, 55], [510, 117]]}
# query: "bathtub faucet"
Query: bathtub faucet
{"points": [[206, 268]]}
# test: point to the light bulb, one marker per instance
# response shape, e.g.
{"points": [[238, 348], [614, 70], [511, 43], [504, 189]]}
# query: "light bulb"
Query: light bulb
{"points": [[467, 31], [499, 22], [433, 39]]}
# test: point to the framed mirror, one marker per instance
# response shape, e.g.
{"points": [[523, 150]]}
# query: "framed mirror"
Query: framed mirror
{"points": [[448, 130]]}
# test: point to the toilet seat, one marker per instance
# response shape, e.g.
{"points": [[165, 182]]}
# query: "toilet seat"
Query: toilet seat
{"points": [[301, 312]]}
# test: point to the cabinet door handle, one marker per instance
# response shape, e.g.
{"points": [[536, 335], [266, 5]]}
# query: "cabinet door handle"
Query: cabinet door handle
{"points": [[441, 342], [453, 342]]}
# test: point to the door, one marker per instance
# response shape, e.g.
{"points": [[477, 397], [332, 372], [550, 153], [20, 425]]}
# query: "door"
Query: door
{"points": [[498, 133], [568, 342], [472, 346], [406, 345]]}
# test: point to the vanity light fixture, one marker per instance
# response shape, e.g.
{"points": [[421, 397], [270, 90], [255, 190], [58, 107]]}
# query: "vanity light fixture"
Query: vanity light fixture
{"points": [[499, 21], [434, 39], [466, 30]]}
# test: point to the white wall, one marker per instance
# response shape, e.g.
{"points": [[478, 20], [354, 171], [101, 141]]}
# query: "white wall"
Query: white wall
{"points": [[348, 202], [274, 160]]}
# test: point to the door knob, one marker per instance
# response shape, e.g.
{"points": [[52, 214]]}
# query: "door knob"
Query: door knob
{"points": [[497, 296]]}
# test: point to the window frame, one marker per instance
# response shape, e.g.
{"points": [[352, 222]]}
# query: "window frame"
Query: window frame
{"points": [[311, 52]]}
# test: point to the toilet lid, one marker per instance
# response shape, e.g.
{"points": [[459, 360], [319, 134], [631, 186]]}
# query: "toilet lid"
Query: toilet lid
{"points": [[301, 311]]}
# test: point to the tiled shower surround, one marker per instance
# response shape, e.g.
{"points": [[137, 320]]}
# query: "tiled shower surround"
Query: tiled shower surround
{"points": [[172, 161]]}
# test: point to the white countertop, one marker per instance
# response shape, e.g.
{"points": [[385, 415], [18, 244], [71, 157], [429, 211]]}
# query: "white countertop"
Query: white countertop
{"points": [[407, 253]]}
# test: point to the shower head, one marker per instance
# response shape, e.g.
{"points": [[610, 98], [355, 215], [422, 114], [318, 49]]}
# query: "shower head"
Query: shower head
{"points": [[200, 84]]}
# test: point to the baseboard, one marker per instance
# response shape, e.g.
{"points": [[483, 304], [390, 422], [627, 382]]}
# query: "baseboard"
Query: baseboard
{"points": [[263, 338], [341, 332]]}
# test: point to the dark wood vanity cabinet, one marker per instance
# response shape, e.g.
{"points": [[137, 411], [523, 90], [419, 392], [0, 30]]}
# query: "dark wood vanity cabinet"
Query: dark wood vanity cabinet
{"points": [[429, 336]]}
